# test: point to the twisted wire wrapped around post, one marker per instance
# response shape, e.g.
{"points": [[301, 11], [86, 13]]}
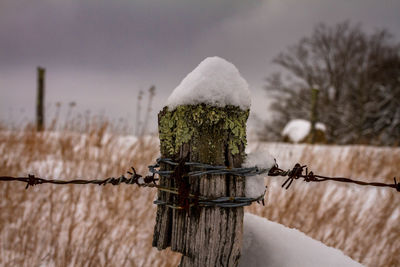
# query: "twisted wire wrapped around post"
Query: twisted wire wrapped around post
{"points": [[207, 169], [224, 202]]}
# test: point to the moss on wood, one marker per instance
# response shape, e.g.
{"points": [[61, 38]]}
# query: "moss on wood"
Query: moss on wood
{"points": [[178, 126]]}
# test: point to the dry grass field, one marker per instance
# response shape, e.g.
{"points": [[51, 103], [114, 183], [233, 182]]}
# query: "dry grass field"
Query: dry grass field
{"points": [[361, 221], [88, 225]]}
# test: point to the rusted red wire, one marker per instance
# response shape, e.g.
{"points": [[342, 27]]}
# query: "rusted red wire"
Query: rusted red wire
{"points": [[301, 171], [133, 178], [297, 172]]}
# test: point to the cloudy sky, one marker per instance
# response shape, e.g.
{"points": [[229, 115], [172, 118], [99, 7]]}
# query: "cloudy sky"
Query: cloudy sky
{"points": [[100, 53]]}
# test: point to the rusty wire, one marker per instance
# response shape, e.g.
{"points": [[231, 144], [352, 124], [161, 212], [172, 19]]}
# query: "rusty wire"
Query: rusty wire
{"points": [[133, 178], [147, 181], [301, 171], [297, 172]]}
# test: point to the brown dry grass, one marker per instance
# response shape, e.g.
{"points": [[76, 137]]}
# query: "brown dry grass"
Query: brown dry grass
{"points": [[112, 226], [361, 221], [76, 225]]}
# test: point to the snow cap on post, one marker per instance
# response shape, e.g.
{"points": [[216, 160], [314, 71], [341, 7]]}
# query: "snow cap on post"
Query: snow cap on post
{"points": [[214, 81]]}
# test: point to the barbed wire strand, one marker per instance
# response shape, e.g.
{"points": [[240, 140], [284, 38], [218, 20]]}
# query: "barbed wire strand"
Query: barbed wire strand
{"points": [[147, 181], [297, 172], [301, 171]]}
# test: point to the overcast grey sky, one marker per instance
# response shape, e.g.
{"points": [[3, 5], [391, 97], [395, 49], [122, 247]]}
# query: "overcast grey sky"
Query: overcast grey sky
{"points": [[101, 53]]}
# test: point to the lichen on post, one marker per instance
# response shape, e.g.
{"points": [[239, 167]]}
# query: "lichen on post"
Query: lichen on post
{"points": [[212, 133], [178, 127]]}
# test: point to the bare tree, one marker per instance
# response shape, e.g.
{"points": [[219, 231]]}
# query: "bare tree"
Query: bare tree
{"points": [[358, 78]]}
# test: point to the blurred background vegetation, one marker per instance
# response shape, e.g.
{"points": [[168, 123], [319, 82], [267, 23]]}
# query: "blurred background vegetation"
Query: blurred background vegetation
{"points": [[357, 76]]}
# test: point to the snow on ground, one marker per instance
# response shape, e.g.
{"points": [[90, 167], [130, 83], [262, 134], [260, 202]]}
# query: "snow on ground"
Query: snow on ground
{"points": [[298, 129], [267, 243], [214, 81], [255, 185]]}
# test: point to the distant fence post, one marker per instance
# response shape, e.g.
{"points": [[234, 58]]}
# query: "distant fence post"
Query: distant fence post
{"points": [[206, 236], [314, 112], [40, 98]]}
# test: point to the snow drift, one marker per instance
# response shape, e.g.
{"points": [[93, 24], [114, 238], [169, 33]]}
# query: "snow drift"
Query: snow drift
{"points": [[270, 244]]}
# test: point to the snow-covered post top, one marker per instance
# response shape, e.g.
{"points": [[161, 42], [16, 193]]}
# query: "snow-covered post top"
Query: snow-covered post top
{"points": [[215, 82], [213, 93], [204, 121]]}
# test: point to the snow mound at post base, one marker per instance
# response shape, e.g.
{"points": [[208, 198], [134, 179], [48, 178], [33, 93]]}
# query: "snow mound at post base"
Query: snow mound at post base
{"points": [[270, 244], [214, 81]]}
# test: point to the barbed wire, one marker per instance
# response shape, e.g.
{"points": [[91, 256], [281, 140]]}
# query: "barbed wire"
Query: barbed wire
{"points": [[301, 171], [134, 178], [297, 172], [199, 169], [147, 181]]}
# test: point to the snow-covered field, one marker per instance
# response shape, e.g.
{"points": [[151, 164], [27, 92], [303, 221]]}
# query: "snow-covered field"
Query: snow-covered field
{"points": [[112, 226]]}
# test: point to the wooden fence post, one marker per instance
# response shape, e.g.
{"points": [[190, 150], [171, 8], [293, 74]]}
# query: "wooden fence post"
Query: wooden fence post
{"points": [[40, 98], [206, 236], [314, 112]]}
